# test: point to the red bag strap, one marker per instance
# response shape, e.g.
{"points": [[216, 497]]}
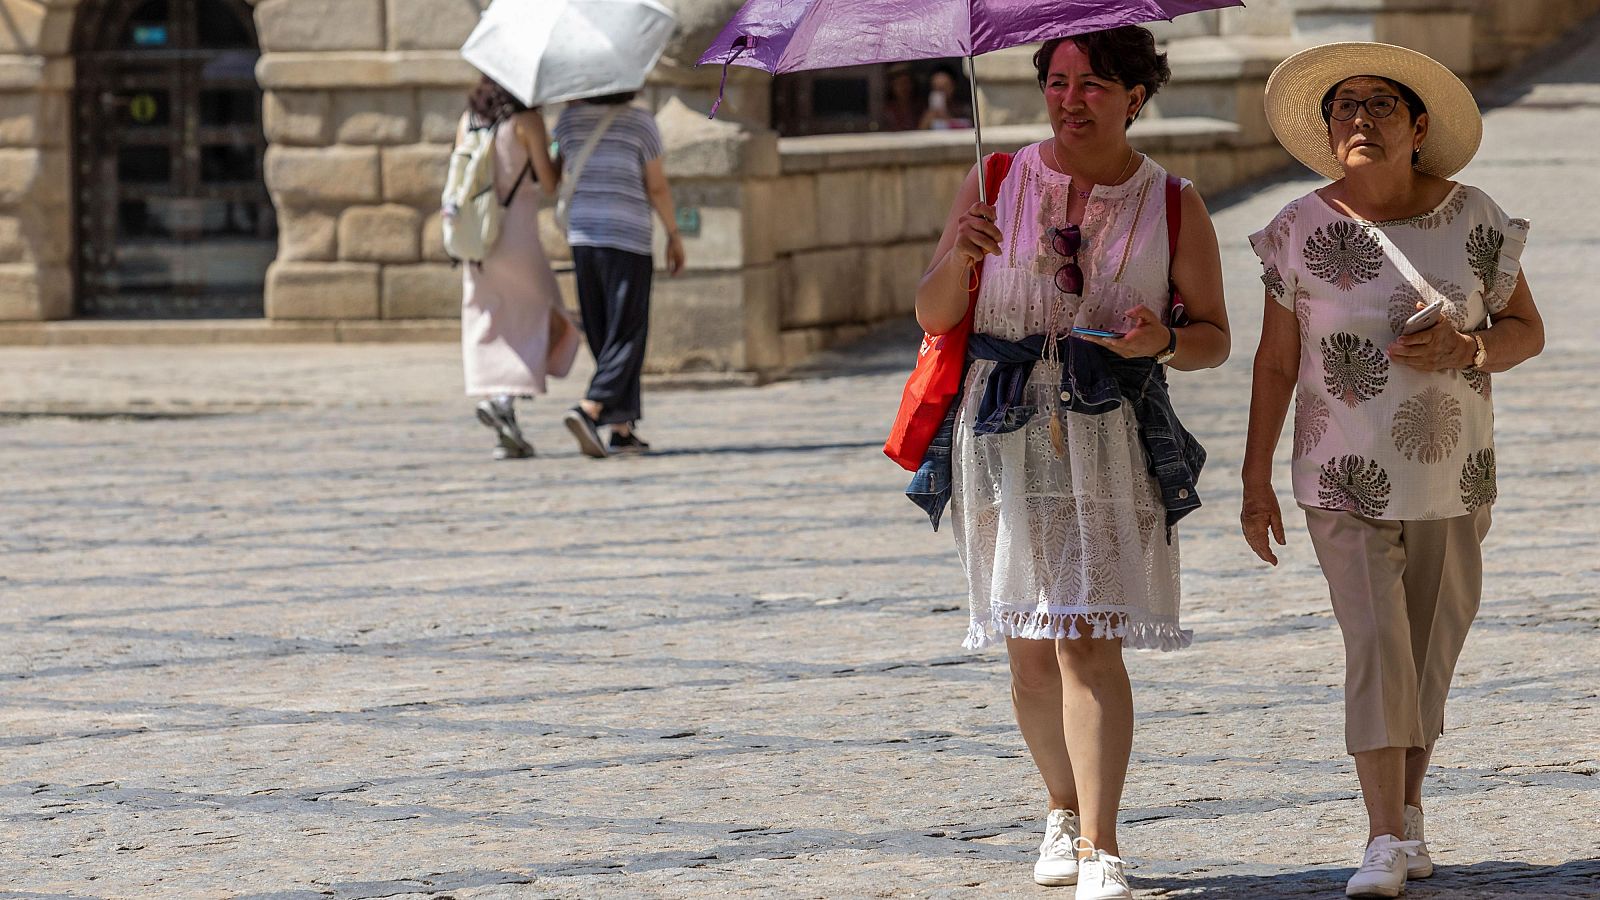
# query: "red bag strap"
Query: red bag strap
{"points": [[1177, 312], [995, 168], [1174, 213]]}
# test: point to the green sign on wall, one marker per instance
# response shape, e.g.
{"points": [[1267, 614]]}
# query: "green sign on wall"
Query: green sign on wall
{"points": [[689, 221]]}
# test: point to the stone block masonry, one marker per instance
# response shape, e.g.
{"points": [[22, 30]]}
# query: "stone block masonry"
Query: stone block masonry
{"points": [[383, 234], [361, 99], [323, 290], [362, 126]]}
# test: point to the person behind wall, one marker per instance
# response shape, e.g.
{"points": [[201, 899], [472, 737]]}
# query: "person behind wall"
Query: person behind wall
{"points": [[509, 298], [945, 109], [903, 108], [614, 190]]}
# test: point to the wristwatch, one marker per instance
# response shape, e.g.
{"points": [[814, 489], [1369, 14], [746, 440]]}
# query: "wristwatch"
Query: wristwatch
{"points": [[1481, 355], [1166, 355]]}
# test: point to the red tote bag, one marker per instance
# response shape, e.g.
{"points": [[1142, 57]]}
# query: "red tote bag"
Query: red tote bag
{"points": [[941, 362]]}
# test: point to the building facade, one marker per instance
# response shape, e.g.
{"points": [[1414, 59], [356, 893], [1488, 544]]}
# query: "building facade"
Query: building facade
{"points": [[282, 159]]}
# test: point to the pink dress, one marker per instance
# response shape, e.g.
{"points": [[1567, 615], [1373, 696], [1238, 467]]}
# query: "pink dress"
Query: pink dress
{"points": [[506, 303]]}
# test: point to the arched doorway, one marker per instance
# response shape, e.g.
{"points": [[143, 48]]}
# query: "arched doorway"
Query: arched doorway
{"points": [[171, 215]]}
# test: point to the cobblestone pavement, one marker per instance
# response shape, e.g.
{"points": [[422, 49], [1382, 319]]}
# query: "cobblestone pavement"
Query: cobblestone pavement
{"points": [[324, 647]]}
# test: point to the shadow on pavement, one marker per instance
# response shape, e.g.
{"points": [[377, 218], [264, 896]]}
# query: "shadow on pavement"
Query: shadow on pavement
{"points": [[886, 347], [1568, 61], [752, 449], [1579, 878]]}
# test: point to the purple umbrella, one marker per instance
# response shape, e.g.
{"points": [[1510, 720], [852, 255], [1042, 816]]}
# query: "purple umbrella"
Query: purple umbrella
{"points": [[792, 35]]}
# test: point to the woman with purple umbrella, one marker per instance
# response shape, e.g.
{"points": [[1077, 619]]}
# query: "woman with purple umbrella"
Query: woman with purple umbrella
{"points": [[1063, 526]]}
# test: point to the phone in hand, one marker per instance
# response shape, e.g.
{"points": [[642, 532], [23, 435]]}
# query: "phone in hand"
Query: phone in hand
{"points": [[1097, 332], [1424, 318]]}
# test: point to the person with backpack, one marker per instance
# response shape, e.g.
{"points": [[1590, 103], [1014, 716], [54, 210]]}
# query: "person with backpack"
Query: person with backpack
{"points": [[1066, 466], [514, 329], [612, 179]]}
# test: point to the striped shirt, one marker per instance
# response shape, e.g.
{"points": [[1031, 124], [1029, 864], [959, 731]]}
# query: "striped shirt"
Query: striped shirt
{"points": [[610, 206]]}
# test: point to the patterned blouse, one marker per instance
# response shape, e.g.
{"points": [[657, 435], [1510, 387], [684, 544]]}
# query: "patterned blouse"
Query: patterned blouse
{"points": [[1372, 436]]}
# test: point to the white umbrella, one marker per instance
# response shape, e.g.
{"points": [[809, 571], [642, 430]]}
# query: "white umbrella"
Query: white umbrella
{"points": [[549, 51]]}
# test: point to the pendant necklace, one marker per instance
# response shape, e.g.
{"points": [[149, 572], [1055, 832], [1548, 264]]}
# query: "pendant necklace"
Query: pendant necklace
{"points": [[1058, 441], [1084, 195]]}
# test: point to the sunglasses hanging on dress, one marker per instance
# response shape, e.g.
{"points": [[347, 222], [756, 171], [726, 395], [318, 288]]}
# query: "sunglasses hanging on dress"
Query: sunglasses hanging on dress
{"points": [[1066, 242]]}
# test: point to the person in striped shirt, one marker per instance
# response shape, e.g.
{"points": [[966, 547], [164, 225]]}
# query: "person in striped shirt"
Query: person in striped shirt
{"points": [[609, 229]]}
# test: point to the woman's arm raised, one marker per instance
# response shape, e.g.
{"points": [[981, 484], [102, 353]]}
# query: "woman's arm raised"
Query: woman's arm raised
{"points": [[535, 139], [969, 233]]}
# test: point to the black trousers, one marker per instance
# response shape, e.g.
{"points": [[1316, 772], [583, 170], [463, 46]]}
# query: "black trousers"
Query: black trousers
{"points": [[614, 300]]}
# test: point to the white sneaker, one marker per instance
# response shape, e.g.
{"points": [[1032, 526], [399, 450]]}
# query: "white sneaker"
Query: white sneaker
{"points": [[1383, 869], [1058, 862], [1419, 865], [1100, 875]]}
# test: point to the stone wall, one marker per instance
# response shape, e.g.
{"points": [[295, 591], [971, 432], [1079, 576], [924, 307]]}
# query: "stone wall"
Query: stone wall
{"points": [[837, 236], [361, 100], [808, 241], [802, 241], [35, 165]]}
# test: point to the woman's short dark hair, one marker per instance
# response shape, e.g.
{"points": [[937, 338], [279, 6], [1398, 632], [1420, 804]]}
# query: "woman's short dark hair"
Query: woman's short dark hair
{"points": [[613, 99], [1126, 55], [1413, 102], [490, 103]]}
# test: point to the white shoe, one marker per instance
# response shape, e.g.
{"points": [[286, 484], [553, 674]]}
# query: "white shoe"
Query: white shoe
{"points": [[1100, 875], [1383, 869], [1419, 865], [1058, 862]]}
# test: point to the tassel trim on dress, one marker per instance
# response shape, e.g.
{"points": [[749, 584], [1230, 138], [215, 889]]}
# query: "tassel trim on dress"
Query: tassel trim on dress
{"points": [[1049, 626]]}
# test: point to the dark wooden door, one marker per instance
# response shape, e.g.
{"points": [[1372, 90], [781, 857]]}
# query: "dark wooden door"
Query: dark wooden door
{"points": [[172, 215]]}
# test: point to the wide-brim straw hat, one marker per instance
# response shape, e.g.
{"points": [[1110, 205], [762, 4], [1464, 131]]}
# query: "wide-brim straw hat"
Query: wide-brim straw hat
{"points": [[1296, 87]]}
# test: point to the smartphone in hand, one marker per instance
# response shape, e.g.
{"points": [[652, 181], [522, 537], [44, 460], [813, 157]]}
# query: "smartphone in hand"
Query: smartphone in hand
{"points": [[1097, 332], [1424, 318]]}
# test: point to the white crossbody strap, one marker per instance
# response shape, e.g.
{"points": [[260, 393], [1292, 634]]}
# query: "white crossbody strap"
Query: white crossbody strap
{"points": [[569, 182]]}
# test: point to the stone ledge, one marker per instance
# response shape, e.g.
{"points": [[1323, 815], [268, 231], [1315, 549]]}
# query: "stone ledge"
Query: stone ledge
{"points": [[32, 73], [1228, 58], [1346, 7], [346, 70], [1199, 58], [698, 147], [227, 331], [831, 152]]}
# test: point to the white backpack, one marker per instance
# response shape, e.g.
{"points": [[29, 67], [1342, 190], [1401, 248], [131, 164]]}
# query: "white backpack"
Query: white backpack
{"points": [[471, 209]]}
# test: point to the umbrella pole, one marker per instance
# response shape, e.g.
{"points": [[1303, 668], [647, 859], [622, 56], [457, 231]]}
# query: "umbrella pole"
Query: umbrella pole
{"points": [[977, 126]]}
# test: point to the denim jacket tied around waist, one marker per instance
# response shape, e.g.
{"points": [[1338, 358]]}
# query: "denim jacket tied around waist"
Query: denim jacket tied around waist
{"points": [[1094, 381]]}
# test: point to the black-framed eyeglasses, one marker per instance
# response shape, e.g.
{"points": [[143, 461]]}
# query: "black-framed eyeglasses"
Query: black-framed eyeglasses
{"points": [[1067, 242], [1379, 106]]}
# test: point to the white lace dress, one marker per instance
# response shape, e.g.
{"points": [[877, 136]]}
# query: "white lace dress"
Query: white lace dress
{"points": [[1076, 545]]}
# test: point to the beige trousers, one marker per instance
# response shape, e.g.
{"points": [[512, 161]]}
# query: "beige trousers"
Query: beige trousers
{"points": [[1405, 592]]}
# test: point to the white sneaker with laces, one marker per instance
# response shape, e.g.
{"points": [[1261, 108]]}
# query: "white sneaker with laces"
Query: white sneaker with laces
{"points": [[1383, 868], [1419, 865], [1058, 862], [1100, 875]]}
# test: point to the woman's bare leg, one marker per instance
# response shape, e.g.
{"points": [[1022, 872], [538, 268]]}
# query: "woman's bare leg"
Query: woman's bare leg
{"points": [[1416, 769], [1036, 698], [1383, 790], [1098, 706]]}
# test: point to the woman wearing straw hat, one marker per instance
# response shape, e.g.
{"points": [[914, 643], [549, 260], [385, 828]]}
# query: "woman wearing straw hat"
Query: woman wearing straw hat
{"points": [[1393, 456]]}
